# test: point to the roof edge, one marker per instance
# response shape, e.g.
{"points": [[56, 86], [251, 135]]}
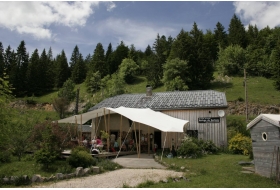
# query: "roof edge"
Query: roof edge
{"points": [[265, 118]]}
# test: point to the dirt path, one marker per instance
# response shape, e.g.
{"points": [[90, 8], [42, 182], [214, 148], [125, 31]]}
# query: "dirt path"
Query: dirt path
{"points": [[114, 179]]}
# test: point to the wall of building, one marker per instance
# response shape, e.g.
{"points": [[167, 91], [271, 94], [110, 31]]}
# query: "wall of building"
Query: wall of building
{"points": [[217, 132], [263, 150]]}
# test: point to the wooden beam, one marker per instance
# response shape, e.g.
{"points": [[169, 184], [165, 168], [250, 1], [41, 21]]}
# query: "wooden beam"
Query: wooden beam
{"points": [[139, 140], [148, 140], [135, 137]]}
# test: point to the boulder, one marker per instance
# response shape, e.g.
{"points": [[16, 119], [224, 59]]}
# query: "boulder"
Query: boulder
{"points": [[87, 171], [95, 169], [79, 171], [59, 176], [36, 178]]}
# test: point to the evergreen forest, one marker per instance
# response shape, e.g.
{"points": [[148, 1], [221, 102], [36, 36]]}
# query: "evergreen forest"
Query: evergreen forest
{"points": [[184, 62]]}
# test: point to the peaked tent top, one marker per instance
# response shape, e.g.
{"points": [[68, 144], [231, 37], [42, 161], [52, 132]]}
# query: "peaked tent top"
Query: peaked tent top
{"points": [[145, 116]]}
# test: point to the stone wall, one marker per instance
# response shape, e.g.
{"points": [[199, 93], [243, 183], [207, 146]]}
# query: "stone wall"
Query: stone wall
{"points": [[239, 108]]}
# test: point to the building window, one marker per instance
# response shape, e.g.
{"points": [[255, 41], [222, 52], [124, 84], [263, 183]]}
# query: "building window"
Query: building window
{"points": [[264, 136], [192, 133]]}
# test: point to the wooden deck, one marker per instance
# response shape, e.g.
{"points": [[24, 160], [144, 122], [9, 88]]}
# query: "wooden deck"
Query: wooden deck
{"points": [[67, 153]]}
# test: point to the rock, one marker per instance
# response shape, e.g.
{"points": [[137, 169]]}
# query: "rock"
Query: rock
{"points": [[6, 180], [164, 181], [244, 163], [173, 164], [182, 168], [36, 178], [13, 178], [87, 171], [79, 171], [95, 169], [59, 176]]}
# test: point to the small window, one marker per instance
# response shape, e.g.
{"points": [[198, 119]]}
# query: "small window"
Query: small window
{"points": [[264, 136], [192, 133]]}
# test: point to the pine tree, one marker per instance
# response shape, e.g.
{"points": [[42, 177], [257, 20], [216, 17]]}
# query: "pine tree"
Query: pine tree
{"points": [[62, 70], [118, 55], [33, 74], [43, 72], [50, 72], [220, 36], [20, 83], [108, 59], [237, 33], [79, 70], [2, 63], [73, 62], [98, 60]]}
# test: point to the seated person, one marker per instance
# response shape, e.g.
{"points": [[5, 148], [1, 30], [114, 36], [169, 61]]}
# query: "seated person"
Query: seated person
{"points": [[99, 143], [116, 145]]}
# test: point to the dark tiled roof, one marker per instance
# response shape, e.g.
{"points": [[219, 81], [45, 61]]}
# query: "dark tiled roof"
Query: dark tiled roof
{"points": [[167, 100]]}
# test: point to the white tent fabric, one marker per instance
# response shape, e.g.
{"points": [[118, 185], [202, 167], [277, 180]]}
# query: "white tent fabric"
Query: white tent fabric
{"points": [[146, 116]]}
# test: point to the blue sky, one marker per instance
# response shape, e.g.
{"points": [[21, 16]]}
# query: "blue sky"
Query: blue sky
{"points": [[62, 25]]}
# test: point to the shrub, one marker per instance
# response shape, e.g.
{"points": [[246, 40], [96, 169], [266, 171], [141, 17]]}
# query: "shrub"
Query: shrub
{"points": [[108, 165], [80, 158], [45, 157], [240, 144], [5, 156], [189, 148], [210, 147]]}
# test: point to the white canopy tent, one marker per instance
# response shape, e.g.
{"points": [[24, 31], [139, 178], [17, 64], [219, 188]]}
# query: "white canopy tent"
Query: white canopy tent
{"points": [[145, 116]]}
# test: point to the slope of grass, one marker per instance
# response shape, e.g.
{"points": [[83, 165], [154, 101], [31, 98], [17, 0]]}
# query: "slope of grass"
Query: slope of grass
{"points": [[259, 90]]}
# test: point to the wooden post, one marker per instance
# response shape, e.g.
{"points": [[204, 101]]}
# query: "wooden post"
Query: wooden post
{"points": [[148, 140], [96, 126], [139, 140], [76, 131], [272, 161], [108, 140], [104, 119], [246, 101], [121, 133], [81, 133], [135, 137]]}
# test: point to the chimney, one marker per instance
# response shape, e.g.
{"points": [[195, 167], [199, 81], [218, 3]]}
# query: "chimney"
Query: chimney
{"points": [[149, 90]]}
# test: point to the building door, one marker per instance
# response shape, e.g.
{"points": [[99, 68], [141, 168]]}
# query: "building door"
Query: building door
{"points": [[157, 138]]}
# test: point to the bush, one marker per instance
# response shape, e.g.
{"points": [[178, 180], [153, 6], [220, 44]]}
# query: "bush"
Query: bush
{"points": [[209, 147], [189, 148], [240, 144], [45, 157], [5, 156], [80, 158], [108, 165]]}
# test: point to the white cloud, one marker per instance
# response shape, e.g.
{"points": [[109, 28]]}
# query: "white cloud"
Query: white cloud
{"points": [[35, 18], [110, 5], [132, 32], [260, 13]]}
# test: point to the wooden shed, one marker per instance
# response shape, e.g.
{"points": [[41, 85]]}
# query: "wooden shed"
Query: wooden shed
{"points": [[204, 109], [265, 134]]}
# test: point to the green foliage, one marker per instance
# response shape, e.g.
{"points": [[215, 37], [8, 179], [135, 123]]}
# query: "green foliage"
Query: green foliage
{"points": [[189, 148], [5, 156], [237, 126], [80, 158], [197, 147], [115, 85], [127, 70], [240, 144], [67, 90], [231, 60], [93, 82], [175, 76], [45, 156], [108, 165]]}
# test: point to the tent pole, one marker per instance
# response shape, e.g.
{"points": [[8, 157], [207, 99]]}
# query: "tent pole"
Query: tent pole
{"points": [[121, 133], [108, 140], [135, 137], [148, 140], [124, 139], [96, 125], [163, 145], [81, 133], [139, 141], [76, 131]]}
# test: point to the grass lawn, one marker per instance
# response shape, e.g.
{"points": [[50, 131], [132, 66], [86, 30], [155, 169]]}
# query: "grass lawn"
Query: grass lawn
{"points": [[214, 171]]}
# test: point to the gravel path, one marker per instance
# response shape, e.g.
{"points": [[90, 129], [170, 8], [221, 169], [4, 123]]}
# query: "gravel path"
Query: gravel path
{"points": [[115, 179]]}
